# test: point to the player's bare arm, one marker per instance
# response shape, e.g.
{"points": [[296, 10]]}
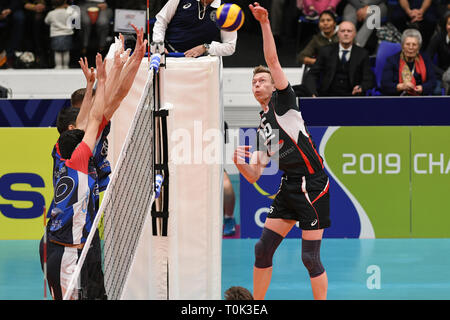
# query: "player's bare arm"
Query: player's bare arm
{"points": [[86, 105], [128, 74], [270, 49], [120, 58], [253, 170], [96, 113]]}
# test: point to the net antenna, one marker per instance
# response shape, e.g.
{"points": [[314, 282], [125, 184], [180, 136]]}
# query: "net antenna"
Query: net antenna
{"points": [[124, 209], [160, 212]]}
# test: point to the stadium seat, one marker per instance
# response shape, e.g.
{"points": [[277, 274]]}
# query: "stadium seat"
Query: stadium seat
{"points": [[385, 50]]}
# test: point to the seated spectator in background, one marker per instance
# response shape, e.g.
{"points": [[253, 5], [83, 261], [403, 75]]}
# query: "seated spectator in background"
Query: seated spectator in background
{"points": [[358, 12], [408, 72], [12, 21], [61, 32], [198, 37], [313, 8], [101, 24], [418, 14], [327, 35], [439, 46], [35, 12], [341, 69]]}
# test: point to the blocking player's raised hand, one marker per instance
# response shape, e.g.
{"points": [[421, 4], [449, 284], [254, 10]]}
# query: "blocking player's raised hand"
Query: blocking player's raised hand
{"points": [[140, 47], [101, 72], [99, 101], [120, 58], [89, 73]]}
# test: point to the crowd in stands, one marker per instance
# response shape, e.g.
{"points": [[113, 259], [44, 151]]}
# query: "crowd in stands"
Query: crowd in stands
{"points": [[42, 27], [418, 65]]}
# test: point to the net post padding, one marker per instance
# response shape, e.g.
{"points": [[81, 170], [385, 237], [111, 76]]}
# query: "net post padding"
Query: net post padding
{"points": [[114, 279], [193, 86]]}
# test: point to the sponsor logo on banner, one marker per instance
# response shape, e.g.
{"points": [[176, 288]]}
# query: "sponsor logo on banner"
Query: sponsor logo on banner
{"points": [[381, 183], [25, 180]]}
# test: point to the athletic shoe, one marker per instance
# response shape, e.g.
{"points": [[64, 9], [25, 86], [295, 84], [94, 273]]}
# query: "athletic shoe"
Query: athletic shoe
{"points": [[229, 226]]}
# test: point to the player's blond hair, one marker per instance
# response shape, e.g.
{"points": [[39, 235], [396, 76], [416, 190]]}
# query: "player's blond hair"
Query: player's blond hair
{"points": [[261, 69]]}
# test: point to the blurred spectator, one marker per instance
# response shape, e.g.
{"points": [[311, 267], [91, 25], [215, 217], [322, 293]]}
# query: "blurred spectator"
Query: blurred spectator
{"points": [[341, 69], [417, 14], [326, 35], [12, 21], [101, 23], [408, 72], [313, 8], [61, 32], [359, 12], [282, 12], [439, 46], [35, 12]]}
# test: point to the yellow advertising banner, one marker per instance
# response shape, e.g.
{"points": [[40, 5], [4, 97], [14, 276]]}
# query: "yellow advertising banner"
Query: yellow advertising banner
{"points": [[25, 181]]}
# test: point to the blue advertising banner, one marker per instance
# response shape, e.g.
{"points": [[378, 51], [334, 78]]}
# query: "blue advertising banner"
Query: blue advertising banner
{"points": [[30, 113]]}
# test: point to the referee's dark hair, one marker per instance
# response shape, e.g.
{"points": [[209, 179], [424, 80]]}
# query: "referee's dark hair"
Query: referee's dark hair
{"points": [[67, 116]]}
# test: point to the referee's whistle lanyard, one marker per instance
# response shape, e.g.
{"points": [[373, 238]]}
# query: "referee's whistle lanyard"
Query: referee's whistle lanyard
{"points": [[170, 46]]}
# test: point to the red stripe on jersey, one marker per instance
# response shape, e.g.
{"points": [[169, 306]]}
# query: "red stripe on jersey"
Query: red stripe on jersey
{"points": [[101, 127], [305, 159], [80, 158]]}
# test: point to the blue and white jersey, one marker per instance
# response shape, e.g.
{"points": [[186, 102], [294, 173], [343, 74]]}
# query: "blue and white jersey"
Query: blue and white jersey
{"points": [[74, 198], [100, 154]]}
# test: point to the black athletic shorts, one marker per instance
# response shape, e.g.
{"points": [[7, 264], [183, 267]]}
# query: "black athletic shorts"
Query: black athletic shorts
{"points": [[61, 263], [305, 199]]}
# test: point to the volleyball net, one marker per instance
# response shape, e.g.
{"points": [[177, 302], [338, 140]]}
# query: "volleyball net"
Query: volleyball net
{"points": [[147, 252]]}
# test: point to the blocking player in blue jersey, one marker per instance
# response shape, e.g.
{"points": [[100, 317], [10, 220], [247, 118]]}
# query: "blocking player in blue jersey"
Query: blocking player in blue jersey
{"points": [[303, 194], [76, 178]]}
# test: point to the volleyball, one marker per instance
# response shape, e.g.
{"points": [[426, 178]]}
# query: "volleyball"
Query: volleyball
{"points": [[229, 17]]}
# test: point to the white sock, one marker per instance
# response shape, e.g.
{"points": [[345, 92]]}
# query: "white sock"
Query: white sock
{"points": [[58, 60], [66, 59]]}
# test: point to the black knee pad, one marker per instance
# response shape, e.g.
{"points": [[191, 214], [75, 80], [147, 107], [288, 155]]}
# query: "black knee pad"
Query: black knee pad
{"points": [[265, 248], [311, 257]]}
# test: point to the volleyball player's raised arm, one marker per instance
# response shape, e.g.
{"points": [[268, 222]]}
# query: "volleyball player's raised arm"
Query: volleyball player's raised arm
{"points": [[270, 49], [86, 105], [98, 106]]}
